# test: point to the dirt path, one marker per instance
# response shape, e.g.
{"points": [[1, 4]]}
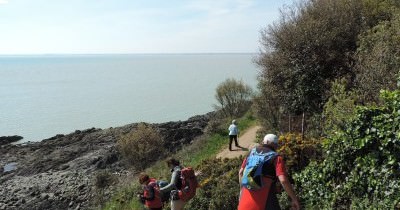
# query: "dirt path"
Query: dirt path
{"points": [[246, 141]]}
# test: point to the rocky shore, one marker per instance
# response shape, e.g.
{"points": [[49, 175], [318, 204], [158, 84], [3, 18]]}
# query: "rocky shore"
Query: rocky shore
{"points": [[58, 173]]}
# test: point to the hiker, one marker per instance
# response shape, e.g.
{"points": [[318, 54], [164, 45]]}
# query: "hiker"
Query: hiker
{"points": [[258, 188], [174, 185], [151, 197], [233, 134]]}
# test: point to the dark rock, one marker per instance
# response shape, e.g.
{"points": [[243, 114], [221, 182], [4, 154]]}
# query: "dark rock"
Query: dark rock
{"points": [[9, 139], [63, 167]]}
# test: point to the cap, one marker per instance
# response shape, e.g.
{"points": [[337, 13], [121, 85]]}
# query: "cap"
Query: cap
{"points": [[270, 138]]}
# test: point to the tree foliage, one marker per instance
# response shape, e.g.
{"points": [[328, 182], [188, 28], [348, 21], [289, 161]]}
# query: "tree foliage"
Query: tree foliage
{"points": [[234, 97], [267, 109], [311, 46], [378, 58]]}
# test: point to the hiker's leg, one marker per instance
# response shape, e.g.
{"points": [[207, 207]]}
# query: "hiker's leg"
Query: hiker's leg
{"points": [[230, 141], [236, 141], [177, 204]]}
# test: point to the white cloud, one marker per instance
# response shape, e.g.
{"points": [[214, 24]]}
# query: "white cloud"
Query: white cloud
{"points": [[3, 1]]}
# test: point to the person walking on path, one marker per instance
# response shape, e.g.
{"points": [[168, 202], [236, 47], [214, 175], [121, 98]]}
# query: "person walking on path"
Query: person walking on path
{"points": [[233, 134], [174, 185], [151, 197], [258, 189]]}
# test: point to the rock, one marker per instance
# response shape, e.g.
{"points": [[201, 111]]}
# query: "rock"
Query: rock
{"points": [[81, 187], [78, 207], [9, 139], [71, 204], [44, 196], [63, 167]]}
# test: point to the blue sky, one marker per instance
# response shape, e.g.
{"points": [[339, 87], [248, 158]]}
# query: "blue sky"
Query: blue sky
{"points": [[134, 26]]}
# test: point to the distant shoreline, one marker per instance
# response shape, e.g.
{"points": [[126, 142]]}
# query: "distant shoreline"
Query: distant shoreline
{"points": [[123, 54]]}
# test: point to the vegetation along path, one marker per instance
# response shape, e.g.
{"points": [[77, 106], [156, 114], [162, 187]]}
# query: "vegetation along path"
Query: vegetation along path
{"points": [[246, 141]]}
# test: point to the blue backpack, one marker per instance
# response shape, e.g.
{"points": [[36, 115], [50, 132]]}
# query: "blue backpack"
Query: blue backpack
{"points": [[252, 175]]}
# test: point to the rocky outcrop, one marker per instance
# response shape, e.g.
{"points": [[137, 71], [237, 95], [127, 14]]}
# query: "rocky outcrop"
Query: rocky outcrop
{"points": [[9, 139], [58, 173]]}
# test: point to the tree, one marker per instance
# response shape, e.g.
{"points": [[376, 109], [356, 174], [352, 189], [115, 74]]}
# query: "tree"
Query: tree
{"points": [[312, 45], [266, 105], [234, 97], [378, 58]]}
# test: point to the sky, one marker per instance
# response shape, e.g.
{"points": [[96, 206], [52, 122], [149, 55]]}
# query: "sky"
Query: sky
{"points": [[134, 26]]}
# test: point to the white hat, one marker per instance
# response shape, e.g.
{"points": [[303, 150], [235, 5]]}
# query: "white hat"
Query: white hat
{"points": [[270, 138]]}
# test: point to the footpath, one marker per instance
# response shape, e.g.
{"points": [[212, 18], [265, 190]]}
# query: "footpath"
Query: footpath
{"points": [[247, 141]]}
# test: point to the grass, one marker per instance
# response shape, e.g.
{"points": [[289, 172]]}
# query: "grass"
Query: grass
{"points": [[207, 146]]}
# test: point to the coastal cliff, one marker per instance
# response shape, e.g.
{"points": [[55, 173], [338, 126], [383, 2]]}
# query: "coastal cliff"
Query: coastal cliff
{"points": [[58, 173]]}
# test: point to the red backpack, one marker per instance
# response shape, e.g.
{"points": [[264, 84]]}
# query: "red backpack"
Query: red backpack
{"points": [[189, 184]]}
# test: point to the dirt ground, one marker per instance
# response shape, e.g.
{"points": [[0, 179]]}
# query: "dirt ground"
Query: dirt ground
{"points": [[247, 140]]}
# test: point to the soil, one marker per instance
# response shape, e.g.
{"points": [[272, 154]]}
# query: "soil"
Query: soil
{"points": [[246, 141]]}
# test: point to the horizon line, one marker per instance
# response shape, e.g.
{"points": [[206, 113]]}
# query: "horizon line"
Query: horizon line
{"points": [[184, 53]]}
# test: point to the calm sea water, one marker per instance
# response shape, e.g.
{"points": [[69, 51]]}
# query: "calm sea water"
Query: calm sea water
{"points": [[41, 96]]}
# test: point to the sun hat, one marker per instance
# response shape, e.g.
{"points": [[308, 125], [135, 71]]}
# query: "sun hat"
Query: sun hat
{"points": [[270, 138]]}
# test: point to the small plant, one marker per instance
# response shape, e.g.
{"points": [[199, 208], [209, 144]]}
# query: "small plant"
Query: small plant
{"points": [[103, 180]]}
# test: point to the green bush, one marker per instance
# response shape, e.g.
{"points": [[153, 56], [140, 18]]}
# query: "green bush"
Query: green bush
{"points": [[141, 146], [361, 169], [339, 107]]}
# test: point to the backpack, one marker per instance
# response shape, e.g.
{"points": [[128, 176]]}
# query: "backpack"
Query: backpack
{"points": [[156, 202], [252, 175], [188, 184]]}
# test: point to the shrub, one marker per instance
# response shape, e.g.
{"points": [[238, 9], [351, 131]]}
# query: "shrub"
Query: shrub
{"points": [[361, 169], [103, 180], [339, 108], [219, 185], [298, 152], [141, 146]]}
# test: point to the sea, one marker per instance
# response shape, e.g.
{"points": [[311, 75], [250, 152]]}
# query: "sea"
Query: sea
{"points": [[45, 95]]}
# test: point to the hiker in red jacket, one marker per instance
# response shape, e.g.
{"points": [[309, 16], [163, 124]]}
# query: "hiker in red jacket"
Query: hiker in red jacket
{"points": [[258, 175], [151, 192]]}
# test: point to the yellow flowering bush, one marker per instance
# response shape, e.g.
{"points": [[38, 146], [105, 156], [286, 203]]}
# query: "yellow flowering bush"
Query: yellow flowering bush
{"points": [[298, 151]]}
